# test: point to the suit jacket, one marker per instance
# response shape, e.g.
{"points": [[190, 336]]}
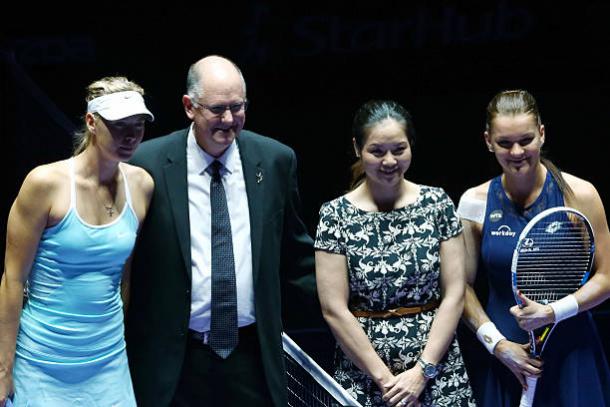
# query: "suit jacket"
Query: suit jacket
{"points": [[159, 307]]}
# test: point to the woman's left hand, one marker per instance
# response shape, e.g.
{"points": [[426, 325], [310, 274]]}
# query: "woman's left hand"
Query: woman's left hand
{"points": [[404, 389], [531, 314]]}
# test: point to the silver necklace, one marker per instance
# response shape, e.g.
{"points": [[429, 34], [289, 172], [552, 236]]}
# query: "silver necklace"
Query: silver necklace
{"points": [[109, 209]]}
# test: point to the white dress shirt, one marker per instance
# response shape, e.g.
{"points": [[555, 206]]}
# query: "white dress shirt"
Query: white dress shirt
{"points": [[200, 224]]}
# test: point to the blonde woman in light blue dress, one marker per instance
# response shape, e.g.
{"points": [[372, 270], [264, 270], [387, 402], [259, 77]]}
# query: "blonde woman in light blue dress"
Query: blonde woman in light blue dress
{"points": [[70, 234]]}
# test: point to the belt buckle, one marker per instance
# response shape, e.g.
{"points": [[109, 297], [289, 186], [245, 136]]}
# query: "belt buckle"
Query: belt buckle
{"points": [[204, 337]]}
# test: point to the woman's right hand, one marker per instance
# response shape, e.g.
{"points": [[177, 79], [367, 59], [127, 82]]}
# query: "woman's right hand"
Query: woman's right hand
{"points": [[516, 357], [403, 389], [6, 387]]}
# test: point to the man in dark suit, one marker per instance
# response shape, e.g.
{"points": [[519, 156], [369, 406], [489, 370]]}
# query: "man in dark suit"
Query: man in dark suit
{"points": [[170, 305]]}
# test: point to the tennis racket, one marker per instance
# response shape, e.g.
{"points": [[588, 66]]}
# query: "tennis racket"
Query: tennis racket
{"points": [[552, 259]]}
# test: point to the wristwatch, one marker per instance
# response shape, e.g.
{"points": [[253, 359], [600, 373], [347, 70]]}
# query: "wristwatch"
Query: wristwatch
{"points": [[430, 370]]}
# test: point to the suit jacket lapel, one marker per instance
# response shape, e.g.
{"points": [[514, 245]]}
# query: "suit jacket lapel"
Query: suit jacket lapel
{"points": [[254, 175], [176, 185]]}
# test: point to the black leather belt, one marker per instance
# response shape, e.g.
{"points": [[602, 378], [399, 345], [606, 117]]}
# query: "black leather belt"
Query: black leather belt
{"points": [[204, 337]]}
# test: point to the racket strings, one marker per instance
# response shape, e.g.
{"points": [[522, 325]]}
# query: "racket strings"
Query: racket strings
{"points": [[554, 258]]}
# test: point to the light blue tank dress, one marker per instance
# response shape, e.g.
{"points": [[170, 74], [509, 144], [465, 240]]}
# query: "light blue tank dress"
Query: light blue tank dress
{"points": [[70, 346]]}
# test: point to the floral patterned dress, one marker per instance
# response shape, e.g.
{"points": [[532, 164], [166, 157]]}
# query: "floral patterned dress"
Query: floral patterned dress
{"points": [[393, 260]]}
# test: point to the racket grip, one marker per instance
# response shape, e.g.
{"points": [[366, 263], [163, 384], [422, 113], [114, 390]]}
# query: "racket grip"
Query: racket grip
{"points": [[527, 397]]}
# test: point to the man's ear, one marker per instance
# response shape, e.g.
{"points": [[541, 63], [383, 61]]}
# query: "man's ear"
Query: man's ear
{"points": [[189, 108]]}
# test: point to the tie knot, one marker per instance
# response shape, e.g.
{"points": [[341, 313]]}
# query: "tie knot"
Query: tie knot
{"points": [[214, 169]]}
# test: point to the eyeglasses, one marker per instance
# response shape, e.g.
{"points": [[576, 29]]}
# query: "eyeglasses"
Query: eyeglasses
{"points": [[219, 110]]}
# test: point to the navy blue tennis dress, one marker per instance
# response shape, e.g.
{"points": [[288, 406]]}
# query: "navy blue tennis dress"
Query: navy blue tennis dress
{"points": [[575, 371]]}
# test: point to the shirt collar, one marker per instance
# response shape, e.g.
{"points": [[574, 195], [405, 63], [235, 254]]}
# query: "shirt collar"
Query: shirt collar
{"points": [[202, 160]]}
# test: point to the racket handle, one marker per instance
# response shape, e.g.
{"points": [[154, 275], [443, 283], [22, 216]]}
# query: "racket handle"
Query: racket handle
{"points": [[527, 397]]}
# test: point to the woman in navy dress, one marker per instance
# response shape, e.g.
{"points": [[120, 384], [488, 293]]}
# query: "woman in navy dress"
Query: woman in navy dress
{"points": [[573, 371]]}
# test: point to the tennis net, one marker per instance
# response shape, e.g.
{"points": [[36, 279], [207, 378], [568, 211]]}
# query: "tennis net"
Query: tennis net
{"points": [[308, 384]]}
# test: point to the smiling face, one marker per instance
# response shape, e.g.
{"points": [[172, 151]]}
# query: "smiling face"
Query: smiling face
{"points": [[386, 153], [221, 85], [516, 142]]}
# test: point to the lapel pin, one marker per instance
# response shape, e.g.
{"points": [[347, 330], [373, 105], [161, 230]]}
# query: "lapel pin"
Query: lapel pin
{"points": [[259, 176]]}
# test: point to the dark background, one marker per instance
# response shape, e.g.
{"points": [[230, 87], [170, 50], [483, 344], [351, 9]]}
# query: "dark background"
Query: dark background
{"points": [[308, 68]]}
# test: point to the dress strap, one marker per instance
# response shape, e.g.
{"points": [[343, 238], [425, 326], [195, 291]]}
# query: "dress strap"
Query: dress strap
{"points": [[127, 191], [72, 182]]}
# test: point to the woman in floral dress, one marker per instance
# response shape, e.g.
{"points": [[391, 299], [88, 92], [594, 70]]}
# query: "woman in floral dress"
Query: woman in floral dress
{"points": [[390, 273]]}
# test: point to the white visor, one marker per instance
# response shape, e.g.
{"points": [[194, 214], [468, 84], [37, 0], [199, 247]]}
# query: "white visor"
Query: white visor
{"points": [[119, 105]]}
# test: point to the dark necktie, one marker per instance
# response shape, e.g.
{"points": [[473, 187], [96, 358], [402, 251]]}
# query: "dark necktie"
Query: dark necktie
{"points": [[223, 327]]}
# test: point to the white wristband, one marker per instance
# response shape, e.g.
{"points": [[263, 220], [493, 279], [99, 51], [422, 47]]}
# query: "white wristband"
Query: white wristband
{"points": [[565, 308], [489, 336]]}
